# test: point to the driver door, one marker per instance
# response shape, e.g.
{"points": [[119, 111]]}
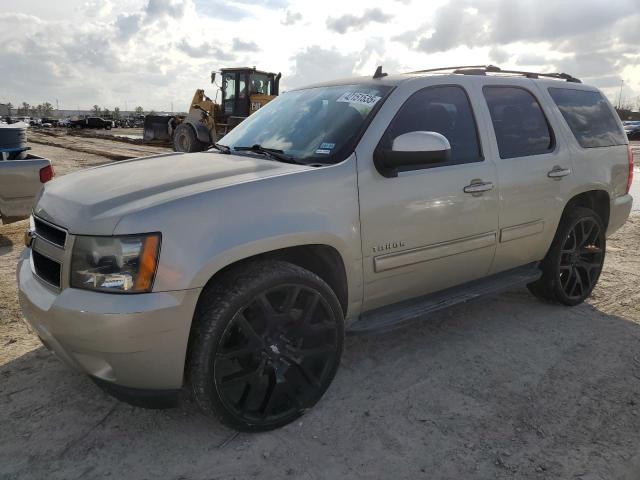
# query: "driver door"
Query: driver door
{"points": [[421, 231]]}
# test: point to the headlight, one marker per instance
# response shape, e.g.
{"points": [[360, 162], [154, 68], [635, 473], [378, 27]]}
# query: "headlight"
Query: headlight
{"points": [[124, 264]]}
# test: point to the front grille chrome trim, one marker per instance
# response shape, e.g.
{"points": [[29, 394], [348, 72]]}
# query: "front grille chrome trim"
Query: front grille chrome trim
{"points": [[38, 234], [50, 247], [42, 279]]}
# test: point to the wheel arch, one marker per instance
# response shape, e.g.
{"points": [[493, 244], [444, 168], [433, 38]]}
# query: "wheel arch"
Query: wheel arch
{"points": [[596, 199], [321, 259]]}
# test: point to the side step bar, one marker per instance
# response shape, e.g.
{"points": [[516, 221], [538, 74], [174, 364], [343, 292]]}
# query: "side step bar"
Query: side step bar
{"points": [[399, 314]]}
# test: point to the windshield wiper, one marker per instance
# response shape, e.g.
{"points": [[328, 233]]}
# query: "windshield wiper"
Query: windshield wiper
{"points": [[221, 147], [271, 152]]}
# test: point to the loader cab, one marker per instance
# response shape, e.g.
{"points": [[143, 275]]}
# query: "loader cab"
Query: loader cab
{"points": [[241, 85]]}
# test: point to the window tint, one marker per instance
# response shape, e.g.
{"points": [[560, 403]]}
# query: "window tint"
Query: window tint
{"points": [[229, 83], [445, 110], [589, 117], [520, 126]]}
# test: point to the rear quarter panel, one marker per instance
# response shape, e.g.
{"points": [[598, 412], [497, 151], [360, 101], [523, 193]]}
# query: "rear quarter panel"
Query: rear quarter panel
{"points": [[601, 168]]}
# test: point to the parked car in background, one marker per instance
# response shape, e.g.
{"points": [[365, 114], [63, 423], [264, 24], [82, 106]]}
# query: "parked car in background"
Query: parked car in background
{"points": [[92, 122], [354, 205], [632, 129], [20, 183]]}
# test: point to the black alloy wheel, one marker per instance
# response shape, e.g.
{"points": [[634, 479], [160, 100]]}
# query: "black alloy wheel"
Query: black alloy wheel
{"points": [[265, 346], [581, 258], [574, 261], [275, 354]]}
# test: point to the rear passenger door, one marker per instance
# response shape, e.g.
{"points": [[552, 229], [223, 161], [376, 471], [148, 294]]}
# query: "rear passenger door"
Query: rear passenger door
{"points": [[534, 170]]}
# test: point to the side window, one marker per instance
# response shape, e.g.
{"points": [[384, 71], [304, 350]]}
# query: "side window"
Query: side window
{"points": [[229, 81], [589, 117], [445, 110], [518, 121]]}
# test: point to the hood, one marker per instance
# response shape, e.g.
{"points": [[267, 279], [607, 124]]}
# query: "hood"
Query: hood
{"points": [[92, 201]]}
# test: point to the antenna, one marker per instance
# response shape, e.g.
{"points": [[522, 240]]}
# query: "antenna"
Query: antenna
{"points": [[379, 73]]}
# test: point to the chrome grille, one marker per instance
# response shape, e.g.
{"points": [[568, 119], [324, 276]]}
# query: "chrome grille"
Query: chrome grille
{"points": [[47, 269], [50, 232], [48, 251]]}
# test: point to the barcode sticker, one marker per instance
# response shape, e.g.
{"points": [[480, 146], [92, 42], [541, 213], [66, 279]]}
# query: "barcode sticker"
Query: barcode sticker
{"points": [[358, 98]]}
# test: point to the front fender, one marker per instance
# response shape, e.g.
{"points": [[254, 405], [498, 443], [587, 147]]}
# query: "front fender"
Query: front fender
{"points": [[207, 231]]}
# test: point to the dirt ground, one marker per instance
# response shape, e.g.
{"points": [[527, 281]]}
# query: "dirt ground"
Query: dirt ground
{"points": [[96, 144], [503, 387]]}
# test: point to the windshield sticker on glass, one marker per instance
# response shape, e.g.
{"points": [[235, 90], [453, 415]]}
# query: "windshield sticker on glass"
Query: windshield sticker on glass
{"points": [[323, 151], [329, 146], [358, 98]]}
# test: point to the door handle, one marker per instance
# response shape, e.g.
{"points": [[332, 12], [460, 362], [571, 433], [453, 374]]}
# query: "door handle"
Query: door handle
{"points": [[476, 187], [558, 172]]}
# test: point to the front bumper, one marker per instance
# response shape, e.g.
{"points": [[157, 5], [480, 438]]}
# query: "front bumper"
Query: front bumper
{"points": [[137, 341]]}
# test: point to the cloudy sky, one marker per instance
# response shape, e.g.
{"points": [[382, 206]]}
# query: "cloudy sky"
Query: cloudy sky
{"points": [[154, 52]]}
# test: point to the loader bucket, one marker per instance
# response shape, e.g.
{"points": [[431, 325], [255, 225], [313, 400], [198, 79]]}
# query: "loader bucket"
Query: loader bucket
{"points": [[156, 128]]}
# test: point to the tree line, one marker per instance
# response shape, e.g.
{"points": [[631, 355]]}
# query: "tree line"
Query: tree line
{"points": [[42, 110], [105, 112], [46, 110]]}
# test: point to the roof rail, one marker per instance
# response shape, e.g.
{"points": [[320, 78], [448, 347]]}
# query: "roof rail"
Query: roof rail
{"points": [[484, 69]]}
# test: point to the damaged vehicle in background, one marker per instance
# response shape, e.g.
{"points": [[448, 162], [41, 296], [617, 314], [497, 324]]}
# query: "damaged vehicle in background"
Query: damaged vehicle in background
{"points": [[21, 174]]}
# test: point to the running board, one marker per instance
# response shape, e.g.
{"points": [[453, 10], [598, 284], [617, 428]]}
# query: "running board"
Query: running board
{"points": [[401, 313]]}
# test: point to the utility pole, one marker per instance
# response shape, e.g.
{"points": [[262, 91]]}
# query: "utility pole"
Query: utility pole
{"points": [[620, 95]]}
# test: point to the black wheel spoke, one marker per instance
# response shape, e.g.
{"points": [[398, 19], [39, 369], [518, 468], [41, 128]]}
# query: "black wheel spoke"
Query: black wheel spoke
{"points": [[290, 299], [240, 376], [248, 330], [266, 306], [315, 351], [243, 402], [572, 283], [238, 352]]}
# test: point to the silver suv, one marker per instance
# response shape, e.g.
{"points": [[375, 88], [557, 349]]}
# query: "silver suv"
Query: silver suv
{"points": [[353, 205]]}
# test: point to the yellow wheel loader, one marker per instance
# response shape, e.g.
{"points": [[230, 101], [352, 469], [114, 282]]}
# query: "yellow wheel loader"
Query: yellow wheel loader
{"points": [[244, 90]]}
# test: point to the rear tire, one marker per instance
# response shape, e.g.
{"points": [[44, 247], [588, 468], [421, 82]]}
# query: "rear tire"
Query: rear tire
{"points": [[574, 261], [265, 345], [185, 139]]}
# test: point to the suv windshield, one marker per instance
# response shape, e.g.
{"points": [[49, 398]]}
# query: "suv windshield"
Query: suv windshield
{"points": [[314, 125]]}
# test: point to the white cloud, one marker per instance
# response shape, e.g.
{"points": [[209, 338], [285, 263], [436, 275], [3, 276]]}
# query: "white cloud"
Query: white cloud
{"points": [[154, 52], [357, 22]]}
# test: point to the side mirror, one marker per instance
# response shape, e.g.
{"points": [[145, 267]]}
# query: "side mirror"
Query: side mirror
{"points": [[413, 149], [213, 77]]}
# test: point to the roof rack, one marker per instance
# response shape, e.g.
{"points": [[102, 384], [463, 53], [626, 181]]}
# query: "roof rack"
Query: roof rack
{"points": [[484, 69]]}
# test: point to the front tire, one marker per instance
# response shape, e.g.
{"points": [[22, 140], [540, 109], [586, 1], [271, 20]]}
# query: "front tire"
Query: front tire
{"points": [[185, 139], [574, 262], [266, 344]]}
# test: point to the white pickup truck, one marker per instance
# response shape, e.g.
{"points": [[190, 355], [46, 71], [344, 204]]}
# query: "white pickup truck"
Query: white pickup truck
{"points": [[20, 183]]}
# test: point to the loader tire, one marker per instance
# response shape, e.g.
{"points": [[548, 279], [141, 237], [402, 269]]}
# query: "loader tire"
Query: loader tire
{"points": [[185, 139]]}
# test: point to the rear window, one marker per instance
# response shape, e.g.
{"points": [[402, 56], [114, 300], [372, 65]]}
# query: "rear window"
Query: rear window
{"points": [[589, 117], [518, 121]]}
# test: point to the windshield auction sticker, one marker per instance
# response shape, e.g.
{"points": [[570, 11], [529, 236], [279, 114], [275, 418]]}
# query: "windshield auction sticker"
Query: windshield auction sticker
{"points": [[358, 98]]}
